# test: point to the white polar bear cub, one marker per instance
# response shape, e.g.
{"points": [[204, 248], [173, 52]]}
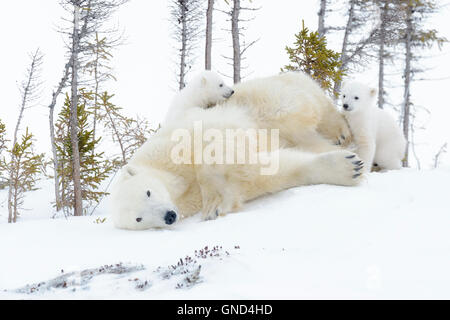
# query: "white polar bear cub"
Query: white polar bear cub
{"points": [[377, 136], [203, 91]]}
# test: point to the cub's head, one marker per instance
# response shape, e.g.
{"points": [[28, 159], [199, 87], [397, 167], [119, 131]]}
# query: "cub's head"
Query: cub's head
{"points": [[357, 96], [212, 86], [139, 200]]}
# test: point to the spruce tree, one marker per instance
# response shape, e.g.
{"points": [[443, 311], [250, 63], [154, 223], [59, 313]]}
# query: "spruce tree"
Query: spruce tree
{"points": [[93, 167], [24, 168], [311, 56]]}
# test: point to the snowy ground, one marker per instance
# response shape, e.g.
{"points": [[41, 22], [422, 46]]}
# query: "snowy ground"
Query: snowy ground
{"points": [[389, 238]]}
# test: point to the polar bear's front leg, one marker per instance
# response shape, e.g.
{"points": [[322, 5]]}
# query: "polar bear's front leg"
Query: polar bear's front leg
{"points": [[366, 151], [218, 193]]}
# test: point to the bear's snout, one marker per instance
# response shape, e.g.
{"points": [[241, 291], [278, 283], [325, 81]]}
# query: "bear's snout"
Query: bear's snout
{"points": [[229, 94], [170, 217]]}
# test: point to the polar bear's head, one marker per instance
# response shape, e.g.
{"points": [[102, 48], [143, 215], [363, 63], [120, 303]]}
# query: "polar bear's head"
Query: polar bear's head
{"points": [[139, 200], [211, 87], [357, 96]]}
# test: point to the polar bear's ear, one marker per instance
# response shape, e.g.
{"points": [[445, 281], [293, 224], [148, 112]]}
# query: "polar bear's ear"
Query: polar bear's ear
{"points": [[131, 171], [203, 81], [373, 92]]}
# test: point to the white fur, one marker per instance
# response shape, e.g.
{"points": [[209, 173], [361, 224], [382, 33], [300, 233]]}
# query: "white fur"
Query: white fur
{"points": [[216, 189], [203, 91], [378, 138]]}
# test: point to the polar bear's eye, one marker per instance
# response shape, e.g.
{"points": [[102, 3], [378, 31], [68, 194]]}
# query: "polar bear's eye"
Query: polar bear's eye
{"points": [[148, 193], [221, 85], [343, 96], [356, 98]]}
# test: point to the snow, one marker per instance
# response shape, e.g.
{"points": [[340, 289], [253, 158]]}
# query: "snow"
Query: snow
{"points": [[388, 238]]}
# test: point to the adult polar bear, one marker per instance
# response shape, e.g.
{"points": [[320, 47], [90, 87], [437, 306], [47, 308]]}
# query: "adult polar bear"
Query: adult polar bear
{"points": [[153, 191]]}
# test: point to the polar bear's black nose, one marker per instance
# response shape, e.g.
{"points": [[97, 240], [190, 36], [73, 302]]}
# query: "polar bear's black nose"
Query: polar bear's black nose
{"points": [[170, 217], [345, 106], [138, 219]]}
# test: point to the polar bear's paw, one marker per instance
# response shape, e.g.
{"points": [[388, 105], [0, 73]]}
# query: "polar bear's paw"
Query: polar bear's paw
{"points": [[342, 140], [210, 210], [342, 168]]}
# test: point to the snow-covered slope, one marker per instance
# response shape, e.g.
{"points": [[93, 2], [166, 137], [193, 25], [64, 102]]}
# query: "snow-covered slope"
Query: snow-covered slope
{"points": [[388, 238]]}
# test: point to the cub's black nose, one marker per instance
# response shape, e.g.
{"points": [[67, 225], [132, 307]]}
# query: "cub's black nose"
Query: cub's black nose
{"points": [[170, 217], [345, 106], [138, 219], [232, 91]]}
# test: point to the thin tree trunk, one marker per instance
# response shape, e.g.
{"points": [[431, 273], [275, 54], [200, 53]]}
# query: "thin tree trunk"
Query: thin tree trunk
{"points": [[15, 194], [181, 82], [94, 126], [321, 14], [51, 107], [407, 83], [12, 208], [78, 205], [348, 29], [209, 24], [441, 151], [236, 43], [381, 55]]}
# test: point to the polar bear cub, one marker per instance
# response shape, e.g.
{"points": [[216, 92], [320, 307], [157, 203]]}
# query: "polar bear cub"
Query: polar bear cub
{"points": [[377, 136], [203, 91]]}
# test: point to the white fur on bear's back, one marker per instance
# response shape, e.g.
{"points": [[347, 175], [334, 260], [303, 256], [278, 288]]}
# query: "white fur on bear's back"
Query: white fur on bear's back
{"points": [[296, 105], [218, 117], [280, 95]]}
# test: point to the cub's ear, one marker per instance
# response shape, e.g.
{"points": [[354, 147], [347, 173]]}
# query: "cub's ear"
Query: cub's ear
{"points": [[130, 171], [203, 81], [373, 92]]}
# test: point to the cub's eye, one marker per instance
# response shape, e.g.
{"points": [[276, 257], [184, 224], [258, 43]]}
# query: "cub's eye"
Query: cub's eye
{"points": [[148, 193], [343, 96], [221, 85], [356, 98]]}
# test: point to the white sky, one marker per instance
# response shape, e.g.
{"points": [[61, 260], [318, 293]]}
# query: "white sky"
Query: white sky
{"points": [[144, 66]]}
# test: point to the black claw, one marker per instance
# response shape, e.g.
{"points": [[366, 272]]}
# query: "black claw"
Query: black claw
{"points": [[357, 169], [351, 157], [356, 175], [217, 213], [359, 162], [343, 137]]}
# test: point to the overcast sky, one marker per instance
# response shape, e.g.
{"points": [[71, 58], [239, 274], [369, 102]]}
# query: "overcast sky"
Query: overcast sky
{"points": [[144, 66]]}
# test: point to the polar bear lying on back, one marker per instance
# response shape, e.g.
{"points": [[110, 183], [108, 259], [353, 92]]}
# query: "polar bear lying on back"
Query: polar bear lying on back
{"points": [[377, 136], [203, 91], [154, 191]]}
